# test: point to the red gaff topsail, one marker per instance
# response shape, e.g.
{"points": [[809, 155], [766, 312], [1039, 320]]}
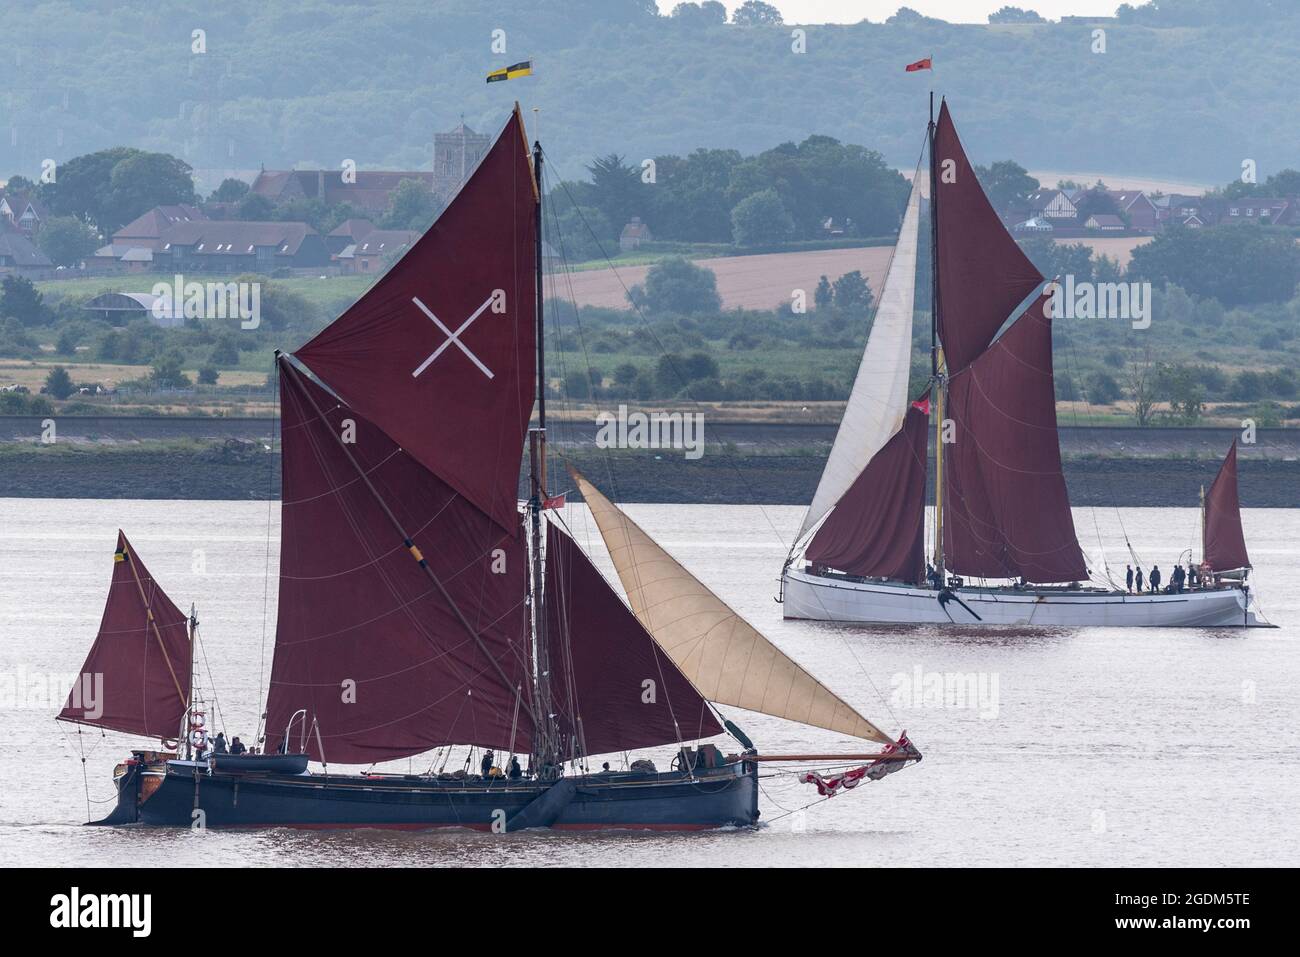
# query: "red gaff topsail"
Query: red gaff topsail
{"points": [[440, 352], [984, 275]]}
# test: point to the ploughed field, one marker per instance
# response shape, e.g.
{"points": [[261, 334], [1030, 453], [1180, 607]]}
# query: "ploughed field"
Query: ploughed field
{"points": [[749, 282]]}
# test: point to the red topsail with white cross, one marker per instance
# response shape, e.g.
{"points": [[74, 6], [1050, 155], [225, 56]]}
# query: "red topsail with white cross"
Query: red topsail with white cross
{"points": [[439, 353]]}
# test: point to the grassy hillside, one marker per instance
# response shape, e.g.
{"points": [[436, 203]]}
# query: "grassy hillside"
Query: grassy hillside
{"points": [[320, 82]]}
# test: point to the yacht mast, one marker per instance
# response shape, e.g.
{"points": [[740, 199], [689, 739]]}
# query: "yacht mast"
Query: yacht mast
{"points": [[936, 359], [546, 749], [189, 705]]}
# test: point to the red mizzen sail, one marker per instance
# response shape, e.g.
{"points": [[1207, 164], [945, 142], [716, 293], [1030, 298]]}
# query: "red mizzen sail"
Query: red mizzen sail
{"points": [[137, 676], [877, 528], [610, 658], [1006, 509], [440, 352], [1223, 543], [365, 640], [983, 275]]}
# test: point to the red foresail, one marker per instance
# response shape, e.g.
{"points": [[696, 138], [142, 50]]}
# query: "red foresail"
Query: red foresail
{"points": [[1224, 542], [388, 659], [609, 677], [137, 676], [439, 353], [983, 274], [1006, 509], [877, 528]]}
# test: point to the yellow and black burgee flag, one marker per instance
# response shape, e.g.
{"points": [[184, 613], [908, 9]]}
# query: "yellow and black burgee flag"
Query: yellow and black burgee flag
{"points": [[511, 72]]}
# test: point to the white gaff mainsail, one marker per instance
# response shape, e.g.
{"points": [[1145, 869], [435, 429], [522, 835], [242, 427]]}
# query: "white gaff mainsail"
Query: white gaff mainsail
{"points": [[878, 401]]}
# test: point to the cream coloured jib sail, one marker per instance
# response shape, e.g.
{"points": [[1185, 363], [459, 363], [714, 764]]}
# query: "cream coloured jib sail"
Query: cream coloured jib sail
{"points": [[724, 657], [878, 400]]}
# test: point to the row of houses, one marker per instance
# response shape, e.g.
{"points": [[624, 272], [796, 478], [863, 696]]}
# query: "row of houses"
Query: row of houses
{"points": [[1065, 212], [173, 238], [190, 238], [184, 239]]}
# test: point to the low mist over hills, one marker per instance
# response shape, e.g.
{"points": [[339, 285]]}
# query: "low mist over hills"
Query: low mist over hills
{"points": [[1187, 89]]}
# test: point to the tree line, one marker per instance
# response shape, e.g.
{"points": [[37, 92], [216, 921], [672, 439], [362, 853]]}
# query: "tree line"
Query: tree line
{"points": [[805, 191]]}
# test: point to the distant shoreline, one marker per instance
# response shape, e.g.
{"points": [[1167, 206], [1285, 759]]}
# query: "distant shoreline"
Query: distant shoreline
{"points": [[246, 471]]}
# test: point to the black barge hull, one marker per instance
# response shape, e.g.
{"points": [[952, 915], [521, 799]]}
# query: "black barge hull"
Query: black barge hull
{"points": [[180, 796]]}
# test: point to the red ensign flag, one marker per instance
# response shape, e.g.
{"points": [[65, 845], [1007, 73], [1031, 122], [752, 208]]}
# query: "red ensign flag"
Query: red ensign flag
{"points": [[919, 65]]}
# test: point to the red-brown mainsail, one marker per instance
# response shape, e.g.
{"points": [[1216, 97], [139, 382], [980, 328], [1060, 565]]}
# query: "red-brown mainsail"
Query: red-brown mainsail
{"points": [[1224, 543], [136, 677], [1007, 511], [365, 640]]}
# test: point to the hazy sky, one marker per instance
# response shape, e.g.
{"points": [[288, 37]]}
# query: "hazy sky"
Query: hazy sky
{"points": [[954, 11]]}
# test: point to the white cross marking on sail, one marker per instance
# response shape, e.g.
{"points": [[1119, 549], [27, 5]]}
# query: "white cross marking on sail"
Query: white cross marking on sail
{"points": [[452, 337]]}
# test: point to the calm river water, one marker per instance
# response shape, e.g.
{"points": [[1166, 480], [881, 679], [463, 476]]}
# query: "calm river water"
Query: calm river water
{"points": [[1084, 746]]}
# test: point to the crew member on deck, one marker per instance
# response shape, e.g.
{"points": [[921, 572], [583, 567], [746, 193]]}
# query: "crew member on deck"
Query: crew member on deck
{"points": [[1128, 577], [237, 746], [485, 766], [1154, 578], [515, 771], [219, 744], [1139, 579]]}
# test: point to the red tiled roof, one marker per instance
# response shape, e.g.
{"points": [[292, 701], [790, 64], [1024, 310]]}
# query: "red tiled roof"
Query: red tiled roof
{"points": [[352, 228], [150, 225]]}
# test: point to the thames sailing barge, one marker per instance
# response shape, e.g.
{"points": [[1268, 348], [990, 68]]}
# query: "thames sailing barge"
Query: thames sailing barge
{"points": [[421, 608], [1004, 549]]}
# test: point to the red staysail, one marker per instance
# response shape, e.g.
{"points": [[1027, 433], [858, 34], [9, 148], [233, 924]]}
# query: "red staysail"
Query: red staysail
{"points": [[983, 275], [365, 641], [1006, 509], [1224, 543], [877, 528], [137, 676], [439, 353], [606, 668]]}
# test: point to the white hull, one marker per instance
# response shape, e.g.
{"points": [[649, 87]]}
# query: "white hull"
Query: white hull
{"points": [[821, 598]]}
